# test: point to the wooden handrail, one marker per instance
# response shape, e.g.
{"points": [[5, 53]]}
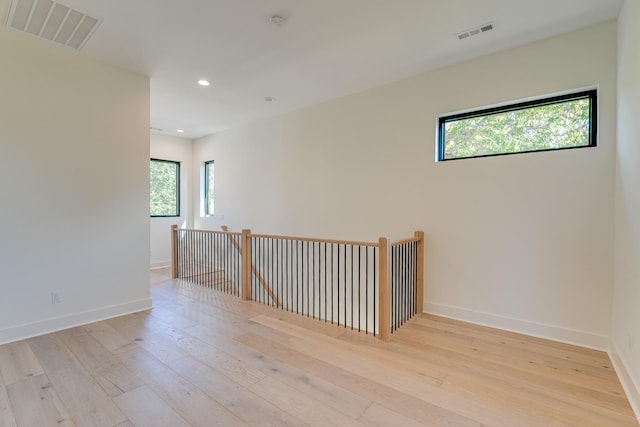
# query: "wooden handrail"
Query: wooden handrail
{"points": [[255, 271], [228, 233], [405, 241], [233, 241], [311, 239]]}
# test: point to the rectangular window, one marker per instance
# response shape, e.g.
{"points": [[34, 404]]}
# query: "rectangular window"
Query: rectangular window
{"points": [[208, 188], [165, 188], [552, 123]]}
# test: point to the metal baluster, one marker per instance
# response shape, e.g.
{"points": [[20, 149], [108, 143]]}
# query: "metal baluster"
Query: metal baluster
{"points": [[366, 290], [285, 284], [344, 281], [401, 270], [332, 283], [325, 282], [305, 270], [359, 286], [298, 281], [352, 307], [319, 282], [375, 290], [313, 279], [394, 285]]}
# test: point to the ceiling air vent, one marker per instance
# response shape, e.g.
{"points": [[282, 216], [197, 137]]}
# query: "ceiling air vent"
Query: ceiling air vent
{"points": [[475, 31], [52, 21]]}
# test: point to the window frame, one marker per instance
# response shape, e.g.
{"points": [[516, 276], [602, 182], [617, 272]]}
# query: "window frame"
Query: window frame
{"points": [[206, 188], [177, 164], [590, 94]]}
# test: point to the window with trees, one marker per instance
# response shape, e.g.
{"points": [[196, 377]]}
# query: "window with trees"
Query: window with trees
{"points": [[552, 123], [165, 188], [208, 188]]}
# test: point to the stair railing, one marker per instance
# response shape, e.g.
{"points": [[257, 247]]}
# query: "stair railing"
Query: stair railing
{"points": [[372, 287]]}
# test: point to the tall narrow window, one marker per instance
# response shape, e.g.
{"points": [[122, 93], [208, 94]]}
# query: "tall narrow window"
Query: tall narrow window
{"points": [[552, 123], [165, 188], [208, 188]]}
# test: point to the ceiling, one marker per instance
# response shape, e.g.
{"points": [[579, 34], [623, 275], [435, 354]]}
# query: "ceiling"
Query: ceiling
{"points": [[325, 49]]}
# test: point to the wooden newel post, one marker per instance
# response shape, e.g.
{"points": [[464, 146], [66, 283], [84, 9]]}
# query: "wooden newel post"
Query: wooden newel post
{"points": [[420, 273], [174, 251], [384, 296], [246, 264]]}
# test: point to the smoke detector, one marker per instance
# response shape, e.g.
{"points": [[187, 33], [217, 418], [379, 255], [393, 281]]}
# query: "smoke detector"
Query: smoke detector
{"points": [[52, 21], [277, 20], [475, 31]]}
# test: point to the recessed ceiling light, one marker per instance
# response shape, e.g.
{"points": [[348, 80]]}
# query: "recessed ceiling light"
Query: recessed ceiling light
{"points": [[179, 131], [203, 82]]}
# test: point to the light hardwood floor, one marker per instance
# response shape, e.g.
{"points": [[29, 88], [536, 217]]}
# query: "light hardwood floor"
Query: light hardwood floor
{"points": [[202, 358]]}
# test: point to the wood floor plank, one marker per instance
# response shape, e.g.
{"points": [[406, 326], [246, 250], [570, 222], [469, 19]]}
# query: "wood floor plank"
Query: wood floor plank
{"points": [[201, 357], [49, 409], [179, 319], [134, 326], [182, 396], [378, 415], [245, 404], [7, 419], [80, 393], [224, 352], [318, 326], [418, 409], [341, 399], [144, 408], [18, 362], [533, 405], [524, 362], [198, 301], [424, 386], [101, 364], [553, 361], [189, 315], [446, 326], [590, 399], [108, 336], [224, 363], [301, 405], [345, 354]]}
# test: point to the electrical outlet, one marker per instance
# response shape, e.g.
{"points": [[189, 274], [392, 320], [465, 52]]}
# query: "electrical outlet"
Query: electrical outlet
{"points": [[56, 297]]}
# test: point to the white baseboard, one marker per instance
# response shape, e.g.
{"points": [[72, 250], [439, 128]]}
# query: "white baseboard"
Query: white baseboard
{"points": [[159, 264], [54, 324], [555, 333], [630, 386]]}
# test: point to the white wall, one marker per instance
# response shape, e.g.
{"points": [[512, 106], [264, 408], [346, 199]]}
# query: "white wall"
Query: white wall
{"points": [[74, 152], [626, 301], [521, 242], [168, 147]]}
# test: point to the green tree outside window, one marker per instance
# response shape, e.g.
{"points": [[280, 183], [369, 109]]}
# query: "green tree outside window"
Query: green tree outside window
{"points": [[165, 188], [517, 129]]}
